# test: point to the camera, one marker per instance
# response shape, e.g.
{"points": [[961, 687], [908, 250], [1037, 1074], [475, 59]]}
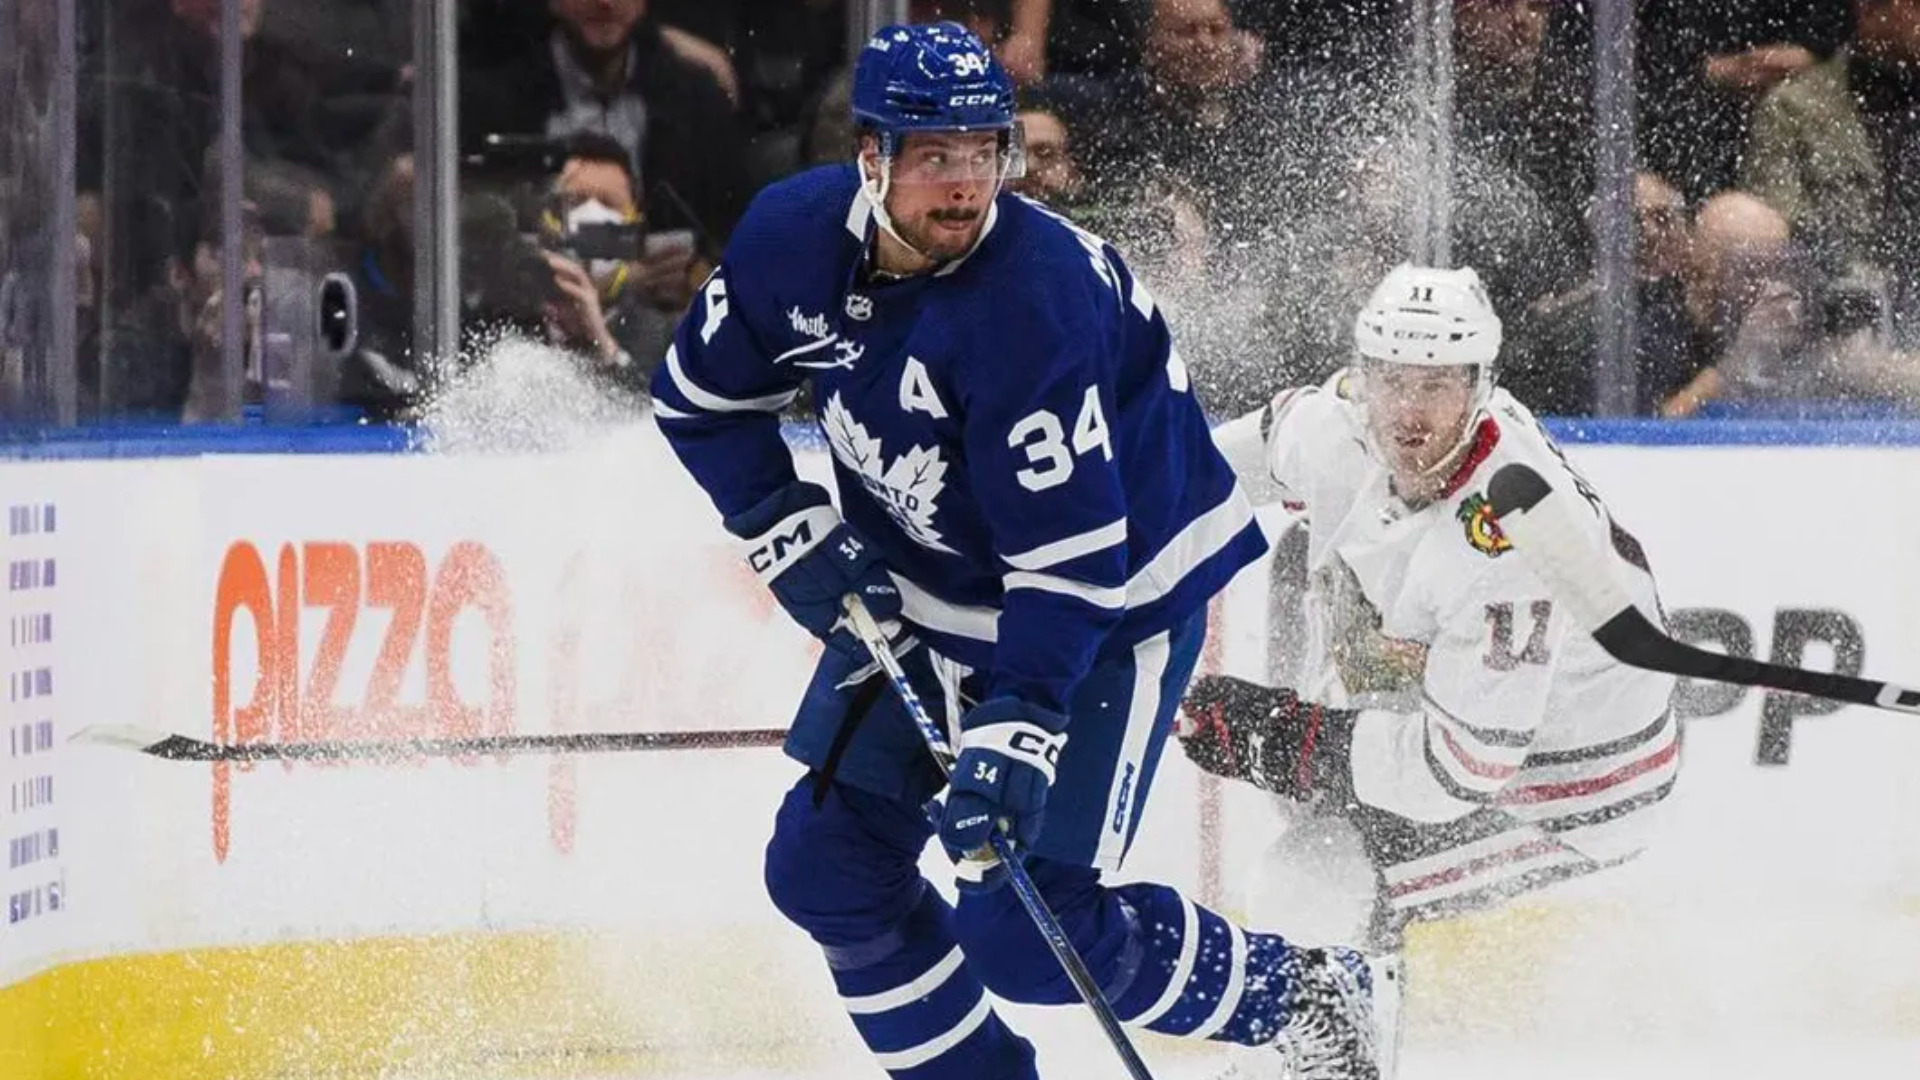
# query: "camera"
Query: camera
{"points": [[1848, 307], [622, 241], [504, 276], [509, 274]]}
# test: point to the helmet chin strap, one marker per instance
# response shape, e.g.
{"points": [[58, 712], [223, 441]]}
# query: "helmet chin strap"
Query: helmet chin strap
{"points": [[1440, 468], [875, 192], [1448, 461]]}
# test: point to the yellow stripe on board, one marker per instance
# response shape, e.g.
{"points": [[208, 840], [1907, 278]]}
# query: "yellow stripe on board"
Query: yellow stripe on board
{"points": [[528, 1004]]}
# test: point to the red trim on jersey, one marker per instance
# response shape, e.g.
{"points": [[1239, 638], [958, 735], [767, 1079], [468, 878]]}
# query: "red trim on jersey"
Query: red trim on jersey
{"points": [[1485, 438], [1303, 769], [1485, 769], [1573, 789], [1528, 850]]}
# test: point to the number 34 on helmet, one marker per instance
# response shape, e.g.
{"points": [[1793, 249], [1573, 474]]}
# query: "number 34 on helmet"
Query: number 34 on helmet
{"points": [[937, 78]]}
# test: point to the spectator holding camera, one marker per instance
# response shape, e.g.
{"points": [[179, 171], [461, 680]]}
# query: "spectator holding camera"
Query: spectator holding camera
{"points": [[1776, 333], [619, 313]]}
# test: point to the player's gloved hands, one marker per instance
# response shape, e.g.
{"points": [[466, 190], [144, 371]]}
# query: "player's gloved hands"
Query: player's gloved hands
{"points": [[1267, 736], [1008, 750], [811, 559]]}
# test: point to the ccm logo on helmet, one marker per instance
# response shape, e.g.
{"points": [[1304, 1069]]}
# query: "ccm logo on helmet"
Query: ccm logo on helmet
{"points": [[961, 100]]}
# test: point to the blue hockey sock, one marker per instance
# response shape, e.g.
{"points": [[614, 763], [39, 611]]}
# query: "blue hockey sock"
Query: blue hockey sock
{"points": [[1165, 963], [1201, 976], [920, 1009]]}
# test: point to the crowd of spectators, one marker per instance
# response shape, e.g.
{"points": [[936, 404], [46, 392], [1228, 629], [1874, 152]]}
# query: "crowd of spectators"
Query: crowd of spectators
{"points": [[1256, 160]]}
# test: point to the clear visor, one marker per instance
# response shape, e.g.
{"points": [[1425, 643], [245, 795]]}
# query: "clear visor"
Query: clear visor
{"points": [[1387, 384], [1418, 418], [961, 157]]}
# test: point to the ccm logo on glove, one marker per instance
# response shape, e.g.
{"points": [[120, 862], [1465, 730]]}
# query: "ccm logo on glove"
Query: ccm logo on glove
{"points": [[1042, 747], [1009, 752], [793, 537], [810, 559]]}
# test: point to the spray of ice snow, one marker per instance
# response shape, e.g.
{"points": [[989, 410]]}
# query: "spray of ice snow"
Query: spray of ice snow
{"points": [[520, 396]]}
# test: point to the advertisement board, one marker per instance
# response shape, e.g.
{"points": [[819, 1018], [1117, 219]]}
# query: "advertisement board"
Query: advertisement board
{"points": [[349, 915]]}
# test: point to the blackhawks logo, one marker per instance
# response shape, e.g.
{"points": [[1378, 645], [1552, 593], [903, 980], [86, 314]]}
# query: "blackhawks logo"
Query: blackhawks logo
{"points": [[1483, 532]]}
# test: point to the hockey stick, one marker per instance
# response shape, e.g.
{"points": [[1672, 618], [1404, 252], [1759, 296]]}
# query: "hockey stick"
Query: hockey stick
{"points": [[174, 747], [1022, 884], [1579, 573]]}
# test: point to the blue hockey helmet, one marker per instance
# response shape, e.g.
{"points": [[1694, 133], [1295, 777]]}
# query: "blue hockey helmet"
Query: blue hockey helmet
{"points": [[930, 77]]}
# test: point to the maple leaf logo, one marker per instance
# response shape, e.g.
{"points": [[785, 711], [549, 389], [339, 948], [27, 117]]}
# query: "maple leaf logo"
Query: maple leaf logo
{"points": [[909, 487]]}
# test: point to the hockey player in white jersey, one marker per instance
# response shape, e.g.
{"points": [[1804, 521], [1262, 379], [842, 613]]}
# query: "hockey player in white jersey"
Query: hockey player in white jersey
{"points": [[1456, 740]]}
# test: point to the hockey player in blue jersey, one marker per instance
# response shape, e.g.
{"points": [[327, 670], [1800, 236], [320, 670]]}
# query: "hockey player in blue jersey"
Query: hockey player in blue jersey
{"points": [[1030, 501]]}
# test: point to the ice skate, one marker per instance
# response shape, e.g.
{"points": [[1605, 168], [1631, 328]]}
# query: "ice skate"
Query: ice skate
{"points": [[1329, 1032]]}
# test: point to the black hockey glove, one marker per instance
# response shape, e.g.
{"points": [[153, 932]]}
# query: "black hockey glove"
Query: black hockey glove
{"points": [[1268, 737]]}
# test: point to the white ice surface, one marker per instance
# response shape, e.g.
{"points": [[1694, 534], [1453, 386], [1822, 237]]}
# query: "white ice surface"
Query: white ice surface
{"points": [[1783, 1060]]}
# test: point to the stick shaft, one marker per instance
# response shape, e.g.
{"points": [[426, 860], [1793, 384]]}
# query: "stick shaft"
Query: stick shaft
{"points": [[175, 747], [1018, 879]]}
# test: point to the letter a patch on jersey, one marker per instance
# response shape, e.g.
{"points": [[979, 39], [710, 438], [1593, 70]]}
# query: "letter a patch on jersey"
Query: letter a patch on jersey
{"points": [[916, 391]]}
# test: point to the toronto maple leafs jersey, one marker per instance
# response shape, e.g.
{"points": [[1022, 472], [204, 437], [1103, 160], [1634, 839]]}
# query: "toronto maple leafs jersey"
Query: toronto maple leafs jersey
{"points": [[1503, 701], [1014, 431]]}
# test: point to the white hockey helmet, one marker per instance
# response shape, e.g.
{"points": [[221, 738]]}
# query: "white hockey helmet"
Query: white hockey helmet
{"points": [[1429, 317], [1423, 316]]}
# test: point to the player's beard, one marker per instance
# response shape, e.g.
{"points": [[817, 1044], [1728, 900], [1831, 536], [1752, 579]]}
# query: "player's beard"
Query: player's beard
{"points": [[929, 236]]}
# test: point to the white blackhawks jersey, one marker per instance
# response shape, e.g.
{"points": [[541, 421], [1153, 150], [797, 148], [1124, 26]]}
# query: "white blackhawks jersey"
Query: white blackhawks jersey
{"points": [[1500, 701]]}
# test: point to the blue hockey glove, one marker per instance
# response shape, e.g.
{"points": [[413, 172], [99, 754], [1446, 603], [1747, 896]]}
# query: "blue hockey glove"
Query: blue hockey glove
{"points": [[811, 559], [1008, 750]]}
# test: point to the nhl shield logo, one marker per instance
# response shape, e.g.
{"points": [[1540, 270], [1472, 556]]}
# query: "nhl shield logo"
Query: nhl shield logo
{"points": [[859, 306]]}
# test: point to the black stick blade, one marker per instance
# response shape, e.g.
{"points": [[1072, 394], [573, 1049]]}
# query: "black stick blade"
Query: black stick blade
{"points": [[1516, 487]]}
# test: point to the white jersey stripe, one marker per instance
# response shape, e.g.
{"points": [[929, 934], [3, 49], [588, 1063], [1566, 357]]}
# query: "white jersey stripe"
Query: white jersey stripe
{"points": [[961, 620], [1123, 792], [712, 402], [1110, 597], [1202, 539], [1071, 547]]}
